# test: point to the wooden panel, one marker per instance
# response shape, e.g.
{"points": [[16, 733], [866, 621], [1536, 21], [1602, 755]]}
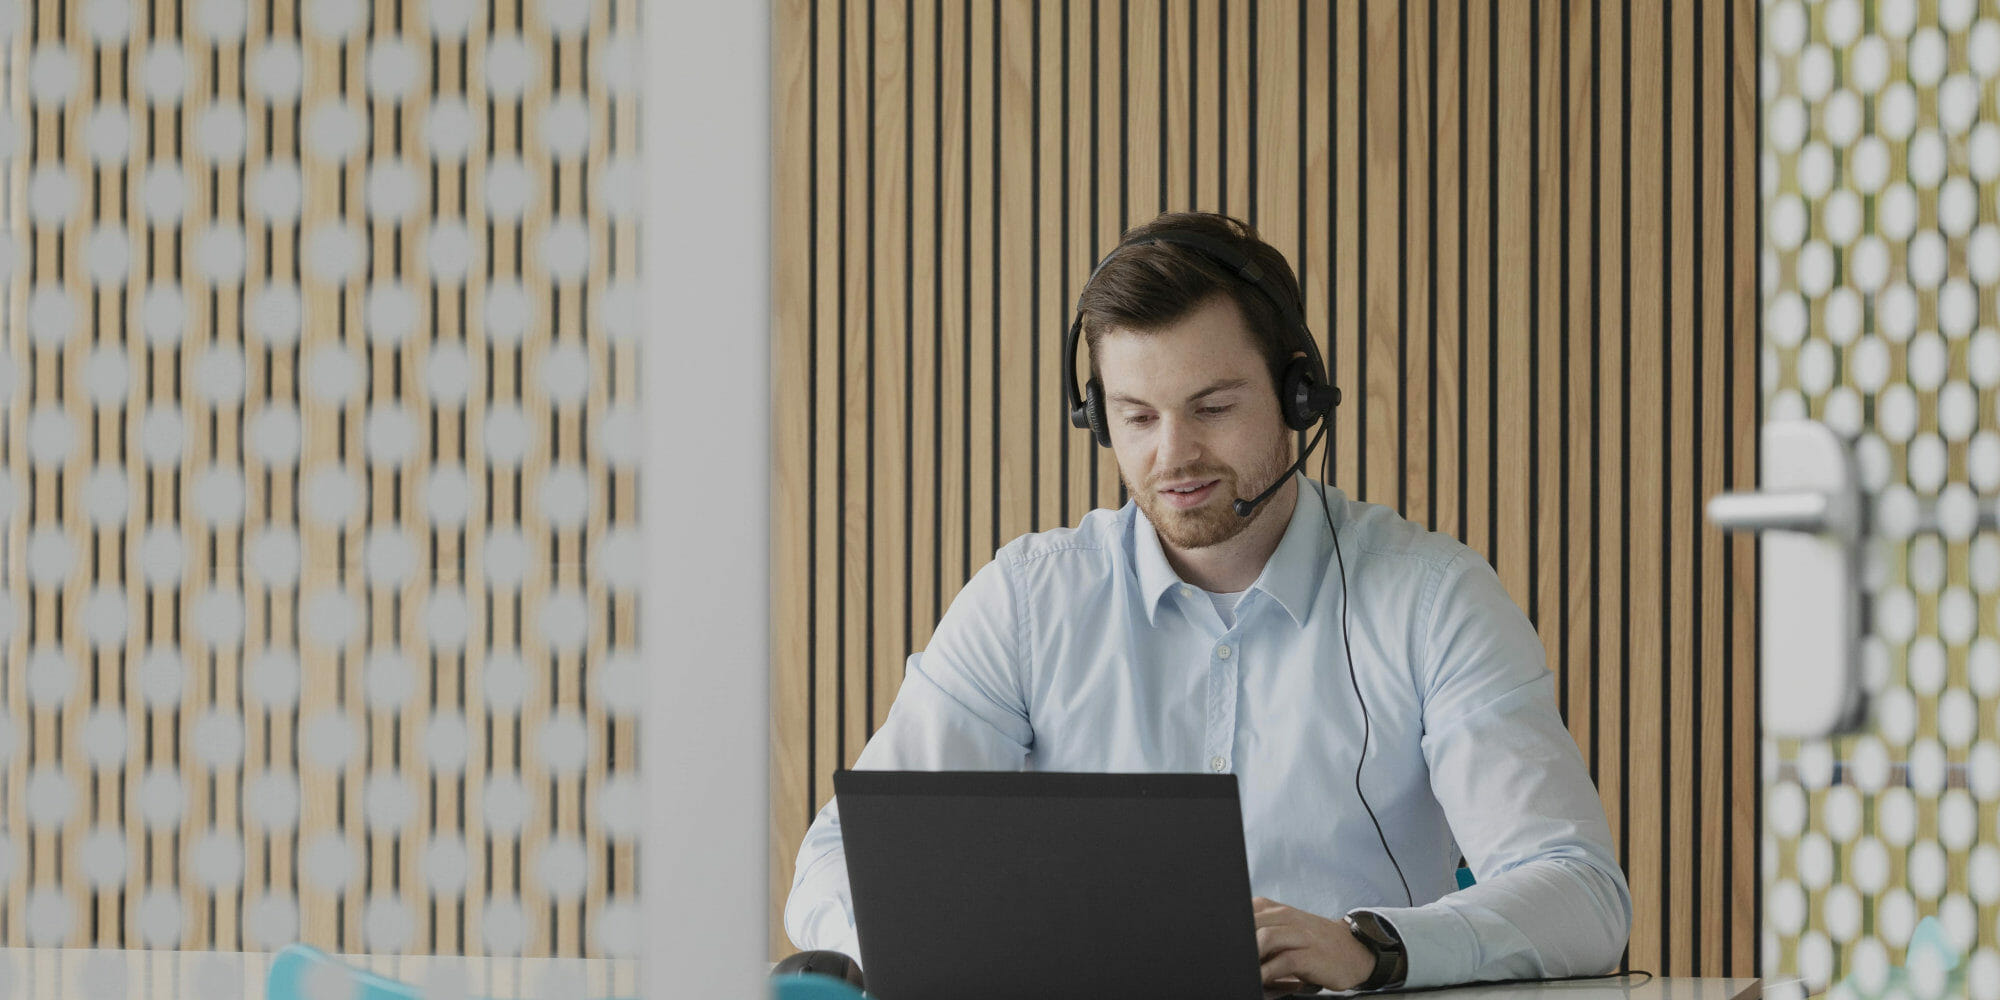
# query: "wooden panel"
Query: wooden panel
{"points": [[1523, 230]]}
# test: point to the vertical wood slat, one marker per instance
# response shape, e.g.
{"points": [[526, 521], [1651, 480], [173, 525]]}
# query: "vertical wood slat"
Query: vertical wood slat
{"points": [[889, 278], [1079, 211], [824, 417], [1745, 417], [978, 280], [1343, 352], [1110, 202], [1576, 414], [926, 359], [1013, 269], [1418, 328], [1611, 757], [854, 337], [1549, 499], [1531, 378], [1478, 249], [1379, 378], [954, 498], [1447, 250], [791, 557], [1048, 198], [1513, 276], [1681, 775], [1712, 446], [1647, 303]]}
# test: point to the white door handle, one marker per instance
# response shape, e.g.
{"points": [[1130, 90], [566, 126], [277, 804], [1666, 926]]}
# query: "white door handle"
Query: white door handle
{"points": [[1804, 510], [1809, 638]]}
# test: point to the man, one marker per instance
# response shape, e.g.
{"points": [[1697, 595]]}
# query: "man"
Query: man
{"points": [[1180, 633]]}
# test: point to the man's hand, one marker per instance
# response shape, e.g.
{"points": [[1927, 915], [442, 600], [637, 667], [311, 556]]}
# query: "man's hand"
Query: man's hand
{"points": [[1302, 951]]}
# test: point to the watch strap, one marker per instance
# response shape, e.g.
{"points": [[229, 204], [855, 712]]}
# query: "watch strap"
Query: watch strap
{"points": [[1392, 963]]}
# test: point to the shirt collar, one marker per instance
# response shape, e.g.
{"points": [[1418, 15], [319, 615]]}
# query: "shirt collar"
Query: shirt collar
{"points": [[1156, 575], [1291, 576]]}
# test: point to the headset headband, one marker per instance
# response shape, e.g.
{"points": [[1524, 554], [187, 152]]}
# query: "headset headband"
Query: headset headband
{"points": [[1222, 253]]}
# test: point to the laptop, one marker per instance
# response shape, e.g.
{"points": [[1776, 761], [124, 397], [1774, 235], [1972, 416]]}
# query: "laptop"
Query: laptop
{"points": [[998, 886]]}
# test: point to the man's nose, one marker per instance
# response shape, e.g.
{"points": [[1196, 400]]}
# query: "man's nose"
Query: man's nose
{"points": [[1180, 442]]}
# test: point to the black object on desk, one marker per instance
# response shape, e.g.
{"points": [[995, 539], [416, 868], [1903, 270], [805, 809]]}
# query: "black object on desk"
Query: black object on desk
{"points": [[997, 886]]}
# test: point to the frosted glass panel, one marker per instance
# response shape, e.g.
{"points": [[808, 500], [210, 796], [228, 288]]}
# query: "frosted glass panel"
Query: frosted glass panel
{"points": [[318, 578], [1881, 177]]}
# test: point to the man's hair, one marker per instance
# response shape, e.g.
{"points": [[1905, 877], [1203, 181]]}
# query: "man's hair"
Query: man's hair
{"points": [[1144, 288]]}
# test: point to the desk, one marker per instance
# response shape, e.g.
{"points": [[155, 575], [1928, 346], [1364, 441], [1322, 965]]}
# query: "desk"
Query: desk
{"points": [[1607, 989], [112, 974], [115, 974]]}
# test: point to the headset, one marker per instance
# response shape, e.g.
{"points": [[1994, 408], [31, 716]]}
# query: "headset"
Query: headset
{"points": [[1306, 396], [1304, 393]]}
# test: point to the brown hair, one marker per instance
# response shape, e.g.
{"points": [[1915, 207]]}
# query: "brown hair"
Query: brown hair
{"points": [[1146, 287]]}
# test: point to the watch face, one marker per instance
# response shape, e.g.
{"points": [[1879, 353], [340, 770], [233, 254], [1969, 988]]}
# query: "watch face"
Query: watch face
{"points": [[1373, 931]]}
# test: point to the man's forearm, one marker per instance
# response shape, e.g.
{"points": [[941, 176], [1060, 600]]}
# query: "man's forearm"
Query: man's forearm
{"points": [[1551, 917], [819, 912]]}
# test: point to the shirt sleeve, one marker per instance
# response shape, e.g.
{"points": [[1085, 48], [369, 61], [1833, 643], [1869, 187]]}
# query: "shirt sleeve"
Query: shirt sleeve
{"points": [[1550, 898], [962, 707]]}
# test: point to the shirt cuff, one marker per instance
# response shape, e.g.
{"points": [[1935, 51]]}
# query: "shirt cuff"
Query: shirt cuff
{"points": [[828, 928], [1440, 945]]}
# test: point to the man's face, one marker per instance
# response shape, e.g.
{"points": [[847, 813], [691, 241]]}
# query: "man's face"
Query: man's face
{"points": [[1194, 422]]}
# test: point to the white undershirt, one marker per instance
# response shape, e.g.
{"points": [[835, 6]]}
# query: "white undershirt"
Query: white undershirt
{"points": [[1225, 605]]}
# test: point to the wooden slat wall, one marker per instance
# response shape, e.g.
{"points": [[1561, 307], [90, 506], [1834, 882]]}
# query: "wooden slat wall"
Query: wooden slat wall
{"points": [[1525, 231]]}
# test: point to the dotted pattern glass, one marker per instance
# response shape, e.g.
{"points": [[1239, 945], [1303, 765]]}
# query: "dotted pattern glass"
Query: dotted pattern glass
{"points": [[318, 578], [1880, 166]]}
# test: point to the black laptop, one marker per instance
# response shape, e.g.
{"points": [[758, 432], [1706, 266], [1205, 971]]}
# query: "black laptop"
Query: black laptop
{"points": [[1000, 886]]}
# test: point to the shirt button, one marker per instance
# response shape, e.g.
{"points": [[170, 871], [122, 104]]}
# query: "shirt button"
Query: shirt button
{"points": [[1218, 763], [1187, 591], [1222, 651]]}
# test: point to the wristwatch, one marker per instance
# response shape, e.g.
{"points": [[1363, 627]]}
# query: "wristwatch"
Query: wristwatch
{"points": [[1392, 963]]}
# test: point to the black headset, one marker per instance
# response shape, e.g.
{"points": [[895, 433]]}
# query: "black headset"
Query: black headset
{"points": [[1305, 394]]}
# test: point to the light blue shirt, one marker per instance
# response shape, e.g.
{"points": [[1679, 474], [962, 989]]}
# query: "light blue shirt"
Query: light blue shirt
{"points": [[1082, 650]]}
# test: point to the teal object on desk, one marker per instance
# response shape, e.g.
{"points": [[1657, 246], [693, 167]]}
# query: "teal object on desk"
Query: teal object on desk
{"points": [[299, 966], [1465, 878], [302, 972], [812, 986]]}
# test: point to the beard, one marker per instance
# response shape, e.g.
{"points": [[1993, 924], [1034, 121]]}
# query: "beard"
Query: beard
{"points": [[1215, 521]]}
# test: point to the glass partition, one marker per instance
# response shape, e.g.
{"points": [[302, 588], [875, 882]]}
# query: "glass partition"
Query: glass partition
{"points": [[318, 477]]}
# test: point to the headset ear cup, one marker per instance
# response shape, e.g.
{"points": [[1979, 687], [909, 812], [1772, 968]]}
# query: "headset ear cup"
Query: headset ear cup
{"points": [[1299, 402], [1093, 408]]}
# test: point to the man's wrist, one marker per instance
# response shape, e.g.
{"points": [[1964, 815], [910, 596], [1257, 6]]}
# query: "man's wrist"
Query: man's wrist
{"points": [[1392, 962]]}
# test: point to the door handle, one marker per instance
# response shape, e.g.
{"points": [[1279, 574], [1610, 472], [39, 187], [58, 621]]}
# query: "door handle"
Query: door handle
{"points": [[1809, 579], [1801, 510]]}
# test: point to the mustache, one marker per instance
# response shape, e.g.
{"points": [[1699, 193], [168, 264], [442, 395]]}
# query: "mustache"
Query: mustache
{"points": [[1190, 472]]}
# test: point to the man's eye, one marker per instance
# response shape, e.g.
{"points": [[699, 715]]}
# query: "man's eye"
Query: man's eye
{"points": [[1136, 419], [1213, 410]]}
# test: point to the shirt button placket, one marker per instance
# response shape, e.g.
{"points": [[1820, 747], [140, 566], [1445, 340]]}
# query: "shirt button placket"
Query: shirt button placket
{"points": [[1221, 706]]}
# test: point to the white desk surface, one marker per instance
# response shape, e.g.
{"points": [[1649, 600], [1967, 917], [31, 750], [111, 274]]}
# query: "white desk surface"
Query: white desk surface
{"points": [[108, 974], [1661, 988], [113, 974]]}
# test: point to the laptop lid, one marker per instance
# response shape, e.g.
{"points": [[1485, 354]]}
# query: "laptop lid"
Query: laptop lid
{"points": [[997, 886]]}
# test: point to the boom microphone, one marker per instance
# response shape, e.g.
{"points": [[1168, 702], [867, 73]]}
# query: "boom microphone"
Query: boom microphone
{"points": [[1244, 508]]}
